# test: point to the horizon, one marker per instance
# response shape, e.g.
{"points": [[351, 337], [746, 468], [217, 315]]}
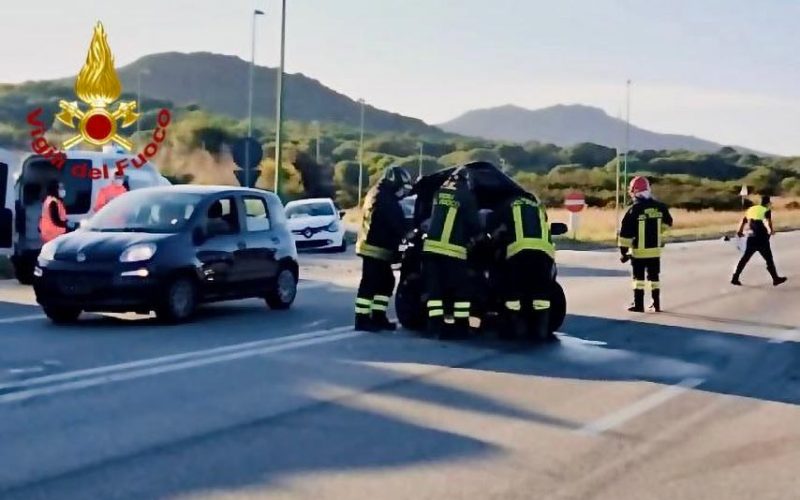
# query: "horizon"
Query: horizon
{"points": [[731, 86]]}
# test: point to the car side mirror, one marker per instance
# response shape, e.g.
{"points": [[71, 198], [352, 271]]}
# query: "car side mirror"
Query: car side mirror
{"points": [[558, 228], [199, 235], [342, 214]]}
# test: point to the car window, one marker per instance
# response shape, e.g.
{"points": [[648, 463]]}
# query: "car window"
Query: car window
{"points": [[145, 211], [223, 217], [313, 209], [257, 215]]}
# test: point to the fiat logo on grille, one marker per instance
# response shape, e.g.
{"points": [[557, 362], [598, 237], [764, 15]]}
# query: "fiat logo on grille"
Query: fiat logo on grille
{"points": [[80, 257]]}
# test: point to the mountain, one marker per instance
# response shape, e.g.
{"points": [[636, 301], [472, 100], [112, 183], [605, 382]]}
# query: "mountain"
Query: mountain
{"points": [[219, 83], [566, 125]]}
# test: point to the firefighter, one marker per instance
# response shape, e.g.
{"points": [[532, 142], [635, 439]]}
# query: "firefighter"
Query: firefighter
{"points": [[53, 221], [108, 193], [454, 227], [521, 230], [758, 219], [382, 229], [641, 237]]}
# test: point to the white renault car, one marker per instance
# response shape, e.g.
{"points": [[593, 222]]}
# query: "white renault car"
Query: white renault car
{"points": [[316, 224]]}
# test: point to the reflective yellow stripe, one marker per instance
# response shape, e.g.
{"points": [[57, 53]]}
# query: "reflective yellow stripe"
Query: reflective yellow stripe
{"points": [[639, 285], [514, 305], [646, 253], [541, 305], [625, 242], [461, 314], [366, 250], [363, 310], [383, 299], [433, 313], [446, 249], [435, 303], [655, 285], [363, 302], [517, 214], [641, 239], [379, 307], [461, 305], [530, 244], [447, 231], [659, 234]]}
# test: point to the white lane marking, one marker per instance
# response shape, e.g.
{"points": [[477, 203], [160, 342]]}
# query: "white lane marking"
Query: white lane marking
{"points": [[150, 371], [786, 336], [18, 319], [61, 377], [639, 407]]}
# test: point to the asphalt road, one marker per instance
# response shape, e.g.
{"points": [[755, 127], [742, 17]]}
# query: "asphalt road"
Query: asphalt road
{"points": [[701, 401]]}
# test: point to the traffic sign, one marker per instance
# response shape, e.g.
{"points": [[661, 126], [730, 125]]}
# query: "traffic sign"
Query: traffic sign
{"points": [[744, 191], [574, 201], [247, 154]]}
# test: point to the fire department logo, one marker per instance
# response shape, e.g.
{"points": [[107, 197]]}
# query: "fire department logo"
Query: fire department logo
{"points": [[98, 86]]}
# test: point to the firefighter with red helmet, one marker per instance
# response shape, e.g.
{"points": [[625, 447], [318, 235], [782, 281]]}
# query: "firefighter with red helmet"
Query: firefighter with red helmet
{"points": [[641, 238]]}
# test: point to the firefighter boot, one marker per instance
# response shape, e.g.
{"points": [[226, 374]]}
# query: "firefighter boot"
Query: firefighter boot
{"points": [[638, 301], [540, 327], [381, 322], [460, 328], [656, 305], [436, 328], [518, 324], [364, 324]]}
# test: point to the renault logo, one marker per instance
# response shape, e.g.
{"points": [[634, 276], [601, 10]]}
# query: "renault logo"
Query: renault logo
{"points": [[308, 233], [80, 257]]}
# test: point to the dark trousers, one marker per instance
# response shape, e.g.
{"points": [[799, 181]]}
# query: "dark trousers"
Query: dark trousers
{"points": [[757, 245], [448, 286], [646, 271], [376, 287], [528, 281]]}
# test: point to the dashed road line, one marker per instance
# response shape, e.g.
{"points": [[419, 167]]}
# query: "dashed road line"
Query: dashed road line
{"points": [[20, 319], [639, 407]]}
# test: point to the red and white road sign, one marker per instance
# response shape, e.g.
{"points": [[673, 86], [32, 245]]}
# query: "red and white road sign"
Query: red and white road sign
{"points": [[574, 202]]}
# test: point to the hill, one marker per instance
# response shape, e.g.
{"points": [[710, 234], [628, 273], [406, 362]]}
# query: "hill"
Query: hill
{"points": [[566, 125], [219, 83]]}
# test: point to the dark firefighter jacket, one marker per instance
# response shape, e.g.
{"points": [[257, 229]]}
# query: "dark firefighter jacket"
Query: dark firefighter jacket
{"points": [[522, 226], [643, 228], [382, 226], [455, 223]]}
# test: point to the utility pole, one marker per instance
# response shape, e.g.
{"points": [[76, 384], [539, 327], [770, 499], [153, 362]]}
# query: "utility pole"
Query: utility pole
{"points": [[627, 134], [279, 105], [421, 145], [616, 179], [317, 131], [250, 91], [361, 154], [139, 95]]}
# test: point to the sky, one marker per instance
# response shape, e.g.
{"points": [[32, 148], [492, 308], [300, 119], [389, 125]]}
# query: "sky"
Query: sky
{"points": [[724, 70]]}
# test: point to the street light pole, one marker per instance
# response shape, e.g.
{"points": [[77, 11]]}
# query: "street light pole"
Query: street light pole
{"points": [[250, 92], [317, 132], [361, 154], [421, 144], [139, 95], [279, 106], [627, 134]]}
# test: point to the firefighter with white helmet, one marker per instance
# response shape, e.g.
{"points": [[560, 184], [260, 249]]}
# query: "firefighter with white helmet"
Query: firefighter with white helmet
{"points": [[641, 238]]}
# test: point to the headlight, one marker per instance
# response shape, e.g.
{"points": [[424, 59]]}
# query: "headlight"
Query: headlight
{"points": [[138, 253], [48, 251], [332, 227]]}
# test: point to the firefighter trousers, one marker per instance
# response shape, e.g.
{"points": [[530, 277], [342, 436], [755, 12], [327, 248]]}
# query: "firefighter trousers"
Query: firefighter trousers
{"points": [[448, 287], [528, 281], [375, 289], [646, 272]]}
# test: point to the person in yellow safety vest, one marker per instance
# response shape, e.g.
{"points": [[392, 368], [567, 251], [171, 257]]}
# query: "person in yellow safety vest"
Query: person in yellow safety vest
{"points": [[759, 220], [454, 228], [641, 238], [521, 230], [108, 193], [382, 230], [53, 221]]}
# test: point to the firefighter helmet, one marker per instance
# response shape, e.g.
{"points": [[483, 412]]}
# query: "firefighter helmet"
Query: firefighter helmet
{"points": [[639, 185]]}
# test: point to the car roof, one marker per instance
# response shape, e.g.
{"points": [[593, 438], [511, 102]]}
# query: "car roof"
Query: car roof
{"points": [[307, 201], [206, 190]]}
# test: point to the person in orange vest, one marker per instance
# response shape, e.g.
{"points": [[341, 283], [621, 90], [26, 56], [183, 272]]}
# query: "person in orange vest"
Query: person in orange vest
{"points": [[108, 193], [53, 222]]}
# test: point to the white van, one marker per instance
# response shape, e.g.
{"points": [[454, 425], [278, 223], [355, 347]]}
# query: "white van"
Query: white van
{"points": [[84, 174]]}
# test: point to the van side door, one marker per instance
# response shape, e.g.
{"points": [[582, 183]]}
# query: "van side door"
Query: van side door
{"points": [[6, 210]]}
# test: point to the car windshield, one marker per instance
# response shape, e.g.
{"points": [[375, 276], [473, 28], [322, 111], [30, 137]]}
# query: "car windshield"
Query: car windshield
{"points": [[308, 209], [145, 211]]}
